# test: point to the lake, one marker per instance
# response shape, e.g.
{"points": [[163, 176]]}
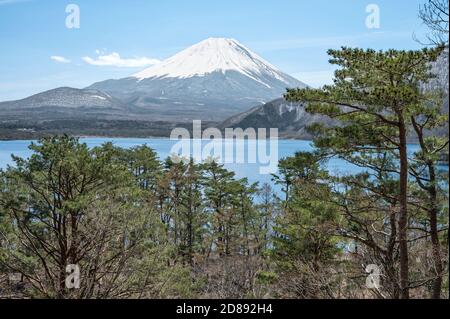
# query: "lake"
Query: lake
{"points": [[164, 146]]}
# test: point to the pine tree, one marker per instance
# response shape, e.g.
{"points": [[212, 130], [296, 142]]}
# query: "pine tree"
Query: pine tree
{"points": [[429, 117], [305, 241], [374, 96]]}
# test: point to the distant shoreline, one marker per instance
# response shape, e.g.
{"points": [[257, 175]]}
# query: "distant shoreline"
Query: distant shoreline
{"points": [[83, 136], [134, 137]]}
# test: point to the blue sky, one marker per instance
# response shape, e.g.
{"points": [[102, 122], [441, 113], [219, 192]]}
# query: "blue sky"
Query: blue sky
{"points": [[38, 52]]}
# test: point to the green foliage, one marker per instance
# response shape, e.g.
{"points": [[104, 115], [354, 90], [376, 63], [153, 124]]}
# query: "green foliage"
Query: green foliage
{"points": [[373, 92], [139, 227], [305, 229], [136, 227], [379, 103]]}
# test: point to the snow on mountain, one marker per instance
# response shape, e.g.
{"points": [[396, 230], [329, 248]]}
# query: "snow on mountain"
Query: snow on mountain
{"points": [[66, 97], [214, 55], [63, 103], [211, 80], [292, 119]]}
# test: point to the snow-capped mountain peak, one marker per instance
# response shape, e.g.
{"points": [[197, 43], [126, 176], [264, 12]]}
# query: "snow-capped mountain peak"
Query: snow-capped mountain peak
{"points": [[210, 80], [214, 55]]}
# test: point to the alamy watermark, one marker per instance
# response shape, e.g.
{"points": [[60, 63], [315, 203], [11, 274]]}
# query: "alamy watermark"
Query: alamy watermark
{"points": [[374, 277], [373, 20], [73, 278], [236, 145], [73, 17]]}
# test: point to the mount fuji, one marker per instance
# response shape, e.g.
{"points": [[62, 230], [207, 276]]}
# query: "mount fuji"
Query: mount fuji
{"points": [[211, 80]]}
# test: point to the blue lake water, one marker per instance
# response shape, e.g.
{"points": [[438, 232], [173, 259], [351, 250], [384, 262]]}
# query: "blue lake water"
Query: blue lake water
{"points": [[164, 148]]}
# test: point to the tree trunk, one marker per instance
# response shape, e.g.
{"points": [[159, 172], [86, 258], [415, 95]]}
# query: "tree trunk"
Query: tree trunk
{"points": [[391, 271], [433, 213], [403, 214]]}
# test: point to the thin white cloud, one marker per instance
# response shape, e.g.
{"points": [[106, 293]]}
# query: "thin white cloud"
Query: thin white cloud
{"points": [[60, 59], [114, 59], [5, 2]]}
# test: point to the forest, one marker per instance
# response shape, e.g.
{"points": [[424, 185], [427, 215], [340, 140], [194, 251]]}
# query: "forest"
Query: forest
{"points": [[136, 226]]}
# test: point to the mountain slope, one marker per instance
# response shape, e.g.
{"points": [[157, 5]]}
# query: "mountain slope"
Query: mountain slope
{"points": [[215, 55], [210, 80], [441, 81], [62, 102], [291, 119]]}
